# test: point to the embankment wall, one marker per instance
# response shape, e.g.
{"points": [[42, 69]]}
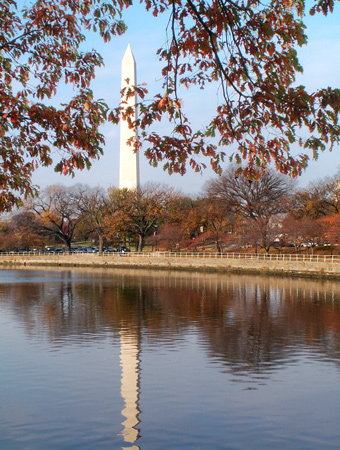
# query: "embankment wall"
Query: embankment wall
{"points": [[312, 269]]}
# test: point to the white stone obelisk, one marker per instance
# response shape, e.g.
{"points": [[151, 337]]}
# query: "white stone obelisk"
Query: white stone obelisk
{"points": [[129, 161]]}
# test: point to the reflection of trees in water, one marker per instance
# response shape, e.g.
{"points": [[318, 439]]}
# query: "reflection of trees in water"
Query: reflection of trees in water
{"points": [[62, 307], [247, 322], [254, 323], [260, 328]]}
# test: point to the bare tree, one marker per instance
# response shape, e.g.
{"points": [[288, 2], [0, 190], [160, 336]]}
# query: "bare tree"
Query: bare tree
{"points": [[59, 211], [260, 202], [94, 204], [319, 199]]}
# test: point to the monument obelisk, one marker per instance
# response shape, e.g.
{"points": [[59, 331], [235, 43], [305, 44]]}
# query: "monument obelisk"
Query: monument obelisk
{"points": [[129, 161]]}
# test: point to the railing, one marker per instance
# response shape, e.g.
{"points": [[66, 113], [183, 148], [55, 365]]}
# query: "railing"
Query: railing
{"points": [[157, 254]]}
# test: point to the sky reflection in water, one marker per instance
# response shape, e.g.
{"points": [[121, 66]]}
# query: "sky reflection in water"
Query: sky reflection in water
{"points": [[148, 360]]}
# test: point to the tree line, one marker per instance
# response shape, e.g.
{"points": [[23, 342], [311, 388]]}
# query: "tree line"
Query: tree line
{"points": [[231, 213]]}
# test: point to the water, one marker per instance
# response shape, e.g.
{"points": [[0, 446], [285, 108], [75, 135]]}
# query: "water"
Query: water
{"points": [[152, 360]]}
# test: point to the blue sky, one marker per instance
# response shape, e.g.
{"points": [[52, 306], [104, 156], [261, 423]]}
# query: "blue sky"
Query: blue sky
{"points": [[320, 59]]}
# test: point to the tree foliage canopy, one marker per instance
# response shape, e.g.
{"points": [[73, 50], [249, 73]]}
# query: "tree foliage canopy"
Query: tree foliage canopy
{"points": [[40, 49], [138, 211], [247, 47]]}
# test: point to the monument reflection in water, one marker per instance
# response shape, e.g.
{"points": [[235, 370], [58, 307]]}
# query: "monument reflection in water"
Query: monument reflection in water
{"points": [[129, 357], [147, 360]]}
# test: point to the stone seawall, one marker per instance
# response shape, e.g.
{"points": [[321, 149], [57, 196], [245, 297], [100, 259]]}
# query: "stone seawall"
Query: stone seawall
{"points": [[154, 261]]}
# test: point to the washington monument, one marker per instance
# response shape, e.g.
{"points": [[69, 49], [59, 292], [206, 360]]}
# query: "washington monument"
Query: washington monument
{"points": [[129, 162]]}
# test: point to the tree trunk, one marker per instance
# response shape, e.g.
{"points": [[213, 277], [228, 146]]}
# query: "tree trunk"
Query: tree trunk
{"points": [[140, 244], [100, 241], [68, 246]]}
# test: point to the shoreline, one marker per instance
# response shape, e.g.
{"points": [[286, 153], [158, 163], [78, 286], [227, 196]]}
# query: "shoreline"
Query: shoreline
{"points": [[301, 269]]}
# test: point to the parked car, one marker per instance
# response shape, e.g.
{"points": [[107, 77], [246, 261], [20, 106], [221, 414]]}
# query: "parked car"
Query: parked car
{"points": [[80, 250], [121, 248], [54, 250], [91, 249], [109, 250]]}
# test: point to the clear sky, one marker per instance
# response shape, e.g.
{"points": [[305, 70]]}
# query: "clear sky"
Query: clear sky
{"points": [[320, 59]]}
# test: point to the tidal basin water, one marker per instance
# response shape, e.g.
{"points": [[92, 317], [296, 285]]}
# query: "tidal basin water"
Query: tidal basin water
{"points": [[155, 360]]}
